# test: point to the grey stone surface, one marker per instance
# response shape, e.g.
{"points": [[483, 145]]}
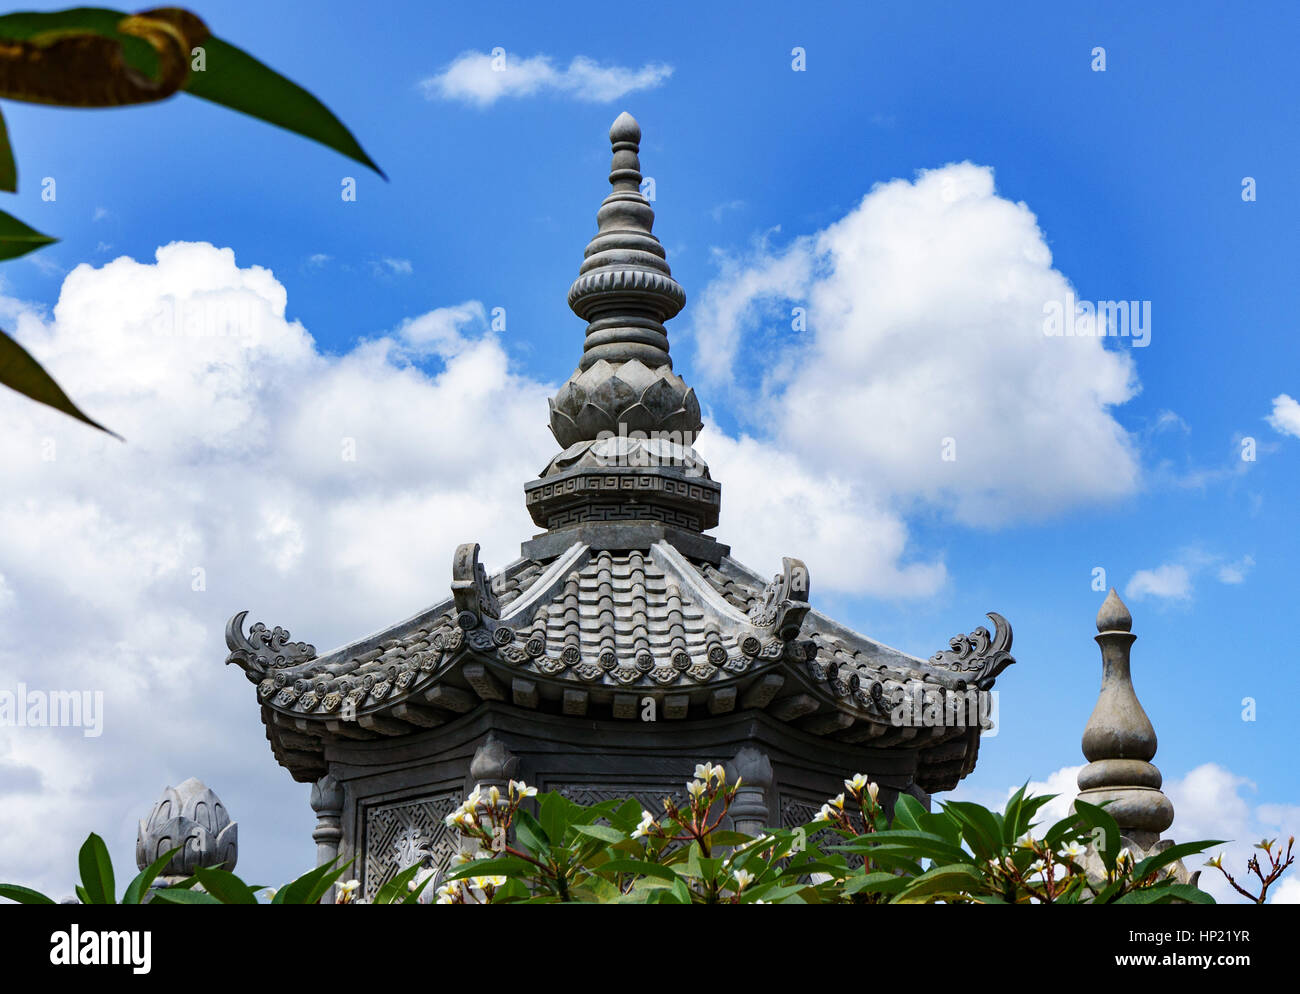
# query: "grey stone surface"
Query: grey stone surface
{"points": [[192, 816], [625, 644], [1119, 741]]}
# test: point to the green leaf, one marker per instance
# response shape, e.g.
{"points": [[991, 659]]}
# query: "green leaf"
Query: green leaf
{"points": [[959, 879], [234, 79], [8, 169], [500, 866], [19, 371], [908, 812], [1167, 895], [24, 895], [529, 831], [639, 866], [180, 895], [555, 813], [680, 891], [1175, 852], [27, 25], [139, 887], [299, 891], [980, 827], [96, 871], [1095, 817], [876, 883], [602, 832], [225, 886], [725, 838], [325, 883], [18, 238], [398, 887]]}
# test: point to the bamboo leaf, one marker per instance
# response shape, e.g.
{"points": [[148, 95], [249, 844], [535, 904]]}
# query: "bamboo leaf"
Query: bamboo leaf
{"points": [[18, 238], [235, 79], [8, 169], [19, 371]]}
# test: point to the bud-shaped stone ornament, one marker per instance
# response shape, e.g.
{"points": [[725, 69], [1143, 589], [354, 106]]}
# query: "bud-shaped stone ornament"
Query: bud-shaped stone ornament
{"points": [[192, 816], [1119, 741]]}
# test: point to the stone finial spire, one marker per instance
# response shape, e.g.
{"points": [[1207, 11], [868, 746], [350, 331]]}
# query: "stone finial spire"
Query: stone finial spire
{"points": [[1119, 741], [625, 292]]}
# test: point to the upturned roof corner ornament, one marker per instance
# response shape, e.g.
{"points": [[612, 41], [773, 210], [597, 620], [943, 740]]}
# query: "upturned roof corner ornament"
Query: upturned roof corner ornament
{"points": [[625, 292], [263, 649], [979, 654], [785, 601], [623, 598], [470, 588], [193, 817]]}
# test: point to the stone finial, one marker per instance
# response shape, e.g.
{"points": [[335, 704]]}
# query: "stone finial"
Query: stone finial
{"points": [[1119, 741], [192, 816], [493, 763], [625, 292], [1114, 616]]}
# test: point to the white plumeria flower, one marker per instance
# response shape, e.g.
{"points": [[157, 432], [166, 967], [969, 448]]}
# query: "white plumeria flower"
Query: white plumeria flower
{"points": [[349, 887], [696, 788], [472, 800], [1073, 850], [643, 827], [461, 858], [719, 774], [520, 789], [837, 801], [826, 813], [1025, 841], [446, 894], [857, 784], [873, 791], [702, 771], [494, 796], [743, 879]]}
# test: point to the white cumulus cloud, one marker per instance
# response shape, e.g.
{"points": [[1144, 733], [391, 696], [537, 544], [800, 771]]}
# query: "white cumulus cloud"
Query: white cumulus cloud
{"points": [[481, 78], [922, 372]]}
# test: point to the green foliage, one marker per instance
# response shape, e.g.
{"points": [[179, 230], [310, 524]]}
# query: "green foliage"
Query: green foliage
{"points": [[94, 57], [526, 848]]}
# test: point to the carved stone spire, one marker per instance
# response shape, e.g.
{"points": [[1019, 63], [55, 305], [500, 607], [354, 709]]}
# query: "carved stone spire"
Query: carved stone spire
{"points": [[627, 476], [1119, 741], [625, 292]]}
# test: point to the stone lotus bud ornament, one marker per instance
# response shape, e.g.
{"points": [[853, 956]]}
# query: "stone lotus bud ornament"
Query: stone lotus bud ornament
{"points": [[193, 816]]}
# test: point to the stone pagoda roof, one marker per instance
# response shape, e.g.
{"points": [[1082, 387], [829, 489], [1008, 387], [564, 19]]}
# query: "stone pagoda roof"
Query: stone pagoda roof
{"points": [[622, 603]]}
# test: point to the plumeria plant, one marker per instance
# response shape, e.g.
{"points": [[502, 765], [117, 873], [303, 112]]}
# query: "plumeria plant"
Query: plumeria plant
{"points": [[521, 846], [1278, 863]]}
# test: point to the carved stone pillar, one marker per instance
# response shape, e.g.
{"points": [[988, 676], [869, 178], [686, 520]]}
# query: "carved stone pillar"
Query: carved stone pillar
{"points": [[751, 811], [493, 765], [327, 802]]}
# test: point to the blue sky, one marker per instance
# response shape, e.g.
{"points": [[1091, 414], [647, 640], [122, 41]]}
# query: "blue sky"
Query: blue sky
{"points": [[1134, 176]]}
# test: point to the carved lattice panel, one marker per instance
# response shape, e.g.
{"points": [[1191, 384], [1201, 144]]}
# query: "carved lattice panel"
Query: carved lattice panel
{"points": [[650, 798], [796, 812], [399, 834]]}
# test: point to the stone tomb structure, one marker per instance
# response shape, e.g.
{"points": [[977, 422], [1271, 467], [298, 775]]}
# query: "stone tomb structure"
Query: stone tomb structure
{"points": [[625, 644]]}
